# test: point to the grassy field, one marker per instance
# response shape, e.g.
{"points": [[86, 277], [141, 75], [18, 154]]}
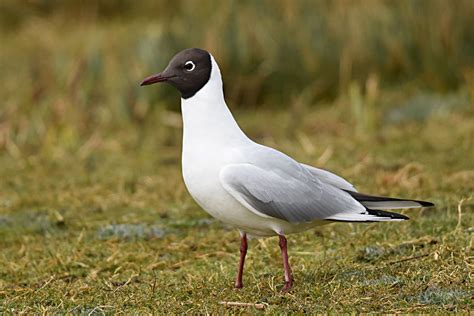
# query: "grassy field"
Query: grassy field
{"points": [[114, 230], [94, 215]]}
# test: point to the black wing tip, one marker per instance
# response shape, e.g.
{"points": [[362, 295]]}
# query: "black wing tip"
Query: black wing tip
{"points": [[361, 197], [380, 213], [377, 213], [426, 204]]}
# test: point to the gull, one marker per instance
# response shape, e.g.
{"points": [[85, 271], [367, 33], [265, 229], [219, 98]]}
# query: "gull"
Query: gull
{"points": [[257, 189]]}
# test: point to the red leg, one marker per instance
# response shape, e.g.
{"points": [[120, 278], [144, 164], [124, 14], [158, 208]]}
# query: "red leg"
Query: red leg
{"points": [[286, 265], [243, 252]]}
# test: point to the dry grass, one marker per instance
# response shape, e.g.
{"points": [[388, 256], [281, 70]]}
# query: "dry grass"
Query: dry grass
{"points": [[116, 231]]}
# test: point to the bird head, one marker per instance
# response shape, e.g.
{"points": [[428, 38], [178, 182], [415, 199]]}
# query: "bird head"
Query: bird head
{"points": [[188, 71]]}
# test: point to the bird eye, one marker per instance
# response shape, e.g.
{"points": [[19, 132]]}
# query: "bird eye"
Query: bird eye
{"points": [[189, 66]]}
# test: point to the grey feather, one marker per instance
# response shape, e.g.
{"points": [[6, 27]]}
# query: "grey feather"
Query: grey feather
{"points": [[272, 184], [330, 178], [390, 205], [387, 203]]}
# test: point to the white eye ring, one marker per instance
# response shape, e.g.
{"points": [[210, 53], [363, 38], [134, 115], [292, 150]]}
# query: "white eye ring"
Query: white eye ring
{"points": [[189, 68]]}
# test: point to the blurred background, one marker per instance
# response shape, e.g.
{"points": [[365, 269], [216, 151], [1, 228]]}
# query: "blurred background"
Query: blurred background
{"points": [[70, 69], [92, 203]]}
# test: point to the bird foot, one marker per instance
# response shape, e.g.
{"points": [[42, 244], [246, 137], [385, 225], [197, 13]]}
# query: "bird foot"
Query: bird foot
{"points": [[238, 285], [287, 287]]}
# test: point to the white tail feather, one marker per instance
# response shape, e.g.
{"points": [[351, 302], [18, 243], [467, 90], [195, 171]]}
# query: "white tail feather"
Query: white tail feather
{"points": [[353, 217]]}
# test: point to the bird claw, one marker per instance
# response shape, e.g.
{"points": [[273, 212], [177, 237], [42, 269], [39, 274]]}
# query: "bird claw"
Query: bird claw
{"points": [[287, 287], [238, 285]]}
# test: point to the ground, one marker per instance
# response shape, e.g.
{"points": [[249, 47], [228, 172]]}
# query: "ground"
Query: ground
{"points": [[108, 226]]}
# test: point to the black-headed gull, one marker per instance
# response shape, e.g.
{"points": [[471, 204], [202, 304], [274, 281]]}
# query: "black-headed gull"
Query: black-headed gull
{"points": [[254, 188]]}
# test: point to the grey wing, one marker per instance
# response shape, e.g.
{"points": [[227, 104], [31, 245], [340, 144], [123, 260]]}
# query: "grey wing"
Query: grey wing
{"points": [[275, 192], [330, 178]]}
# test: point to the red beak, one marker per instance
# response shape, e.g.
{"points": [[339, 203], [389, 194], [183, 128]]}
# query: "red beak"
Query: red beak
{"points": [[154, 79]]}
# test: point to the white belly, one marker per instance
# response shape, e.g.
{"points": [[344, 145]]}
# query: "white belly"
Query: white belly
{"points": [[201, 178], [212, 140]]}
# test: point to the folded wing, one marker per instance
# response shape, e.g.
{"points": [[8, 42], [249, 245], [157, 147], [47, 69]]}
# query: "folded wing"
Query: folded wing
{"points": [[295, 198], [330, 178]]}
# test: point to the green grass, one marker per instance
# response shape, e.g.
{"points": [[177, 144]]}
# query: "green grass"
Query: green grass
{"points": [[114, 229], [94, 215]]}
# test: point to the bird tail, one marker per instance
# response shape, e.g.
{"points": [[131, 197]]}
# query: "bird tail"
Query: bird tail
{"points": [[373, 202], [374, 209], [368, 216]]}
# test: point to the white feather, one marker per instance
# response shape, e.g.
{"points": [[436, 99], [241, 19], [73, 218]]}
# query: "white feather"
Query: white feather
{"points": [[348, 217]]}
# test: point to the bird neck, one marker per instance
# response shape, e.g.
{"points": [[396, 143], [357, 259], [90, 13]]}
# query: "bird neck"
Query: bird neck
{"points": [[206, 117]]}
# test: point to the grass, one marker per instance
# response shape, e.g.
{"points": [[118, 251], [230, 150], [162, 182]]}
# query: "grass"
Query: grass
{"points": [[94, 215], [115, 230]]}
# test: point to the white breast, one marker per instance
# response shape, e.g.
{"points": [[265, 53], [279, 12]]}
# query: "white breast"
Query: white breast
{"points": [[206, 149], [211, 140]]}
